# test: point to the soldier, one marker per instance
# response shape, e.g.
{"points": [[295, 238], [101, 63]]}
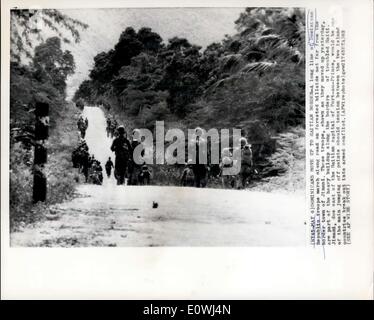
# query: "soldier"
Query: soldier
{"points": [[188, 176], [91, 160], [199, 169], [108, 167], [82, 126], [108, 127], [96, 174], [134, 168], [99, 171], [246, 163], [122, 148], [144, 175], [228, 181], [77, 153], [75, 158], [85, 164], [80, 121], [80, 104]]}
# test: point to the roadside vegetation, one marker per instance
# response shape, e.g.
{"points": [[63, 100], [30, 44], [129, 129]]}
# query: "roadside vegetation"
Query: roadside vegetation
{"points": [[38, 73]]}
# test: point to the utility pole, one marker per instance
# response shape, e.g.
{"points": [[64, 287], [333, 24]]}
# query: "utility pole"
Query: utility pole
{"points": [[40, 153]]}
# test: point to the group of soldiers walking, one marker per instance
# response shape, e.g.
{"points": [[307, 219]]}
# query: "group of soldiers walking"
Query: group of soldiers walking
{"points": [[87, 164], [126, 169], [111, 126], [194, 174], [240, 180], [125, 166], [197, 175], [82, 126]]}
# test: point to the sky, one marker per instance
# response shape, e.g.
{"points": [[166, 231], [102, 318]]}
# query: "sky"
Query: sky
{"points": [[201, 26]]}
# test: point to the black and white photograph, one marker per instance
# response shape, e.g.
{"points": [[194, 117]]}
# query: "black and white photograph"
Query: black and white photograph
{"points": [[157, 127]]}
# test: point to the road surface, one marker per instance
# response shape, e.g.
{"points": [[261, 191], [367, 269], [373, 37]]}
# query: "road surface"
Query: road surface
{"points": [[111, 215]]}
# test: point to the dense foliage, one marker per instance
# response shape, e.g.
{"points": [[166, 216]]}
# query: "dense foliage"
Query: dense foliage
{"points": [[27, 30], [253, 80], [44, 79]]}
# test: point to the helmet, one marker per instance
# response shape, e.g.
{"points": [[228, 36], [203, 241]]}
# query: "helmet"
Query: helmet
{"points": [[226, 152], [198, 131], [121, 129], [226, 161], [243, 141]]}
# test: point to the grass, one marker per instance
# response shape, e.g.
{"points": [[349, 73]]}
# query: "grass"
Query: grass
{"points": [[289, 159]]}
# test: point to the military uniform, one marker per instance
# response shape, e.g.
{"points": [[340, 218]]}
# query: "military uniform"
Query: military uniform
{"points": [[108, 167], [122, 148]]}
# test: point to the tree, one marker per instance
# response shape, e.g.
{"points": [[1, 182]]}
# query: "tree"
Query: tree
{"points": [[103, 69], [84, 91], [127, 47], [150, 40], [26, 29], [178, 44], [182, 75], [52, 64]]}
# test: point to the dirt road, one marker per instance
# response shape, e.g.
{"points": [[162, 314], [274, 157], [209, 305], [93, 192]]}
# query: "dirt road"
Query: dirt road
{"points": [[124, 216]]}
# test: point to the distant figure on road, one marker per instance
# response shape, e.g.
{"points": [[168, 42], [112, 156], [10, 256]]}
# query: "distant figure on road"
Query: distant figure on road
{"points": [[111, 125], [91, 160], [145, 176], [228, 181], [246, 163], [96, 175], [188, 176], [108, 167], [80, 104], [134, 168], [199, 169], [82, 126], [122, 148], [108, 127], [85, 165]]}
